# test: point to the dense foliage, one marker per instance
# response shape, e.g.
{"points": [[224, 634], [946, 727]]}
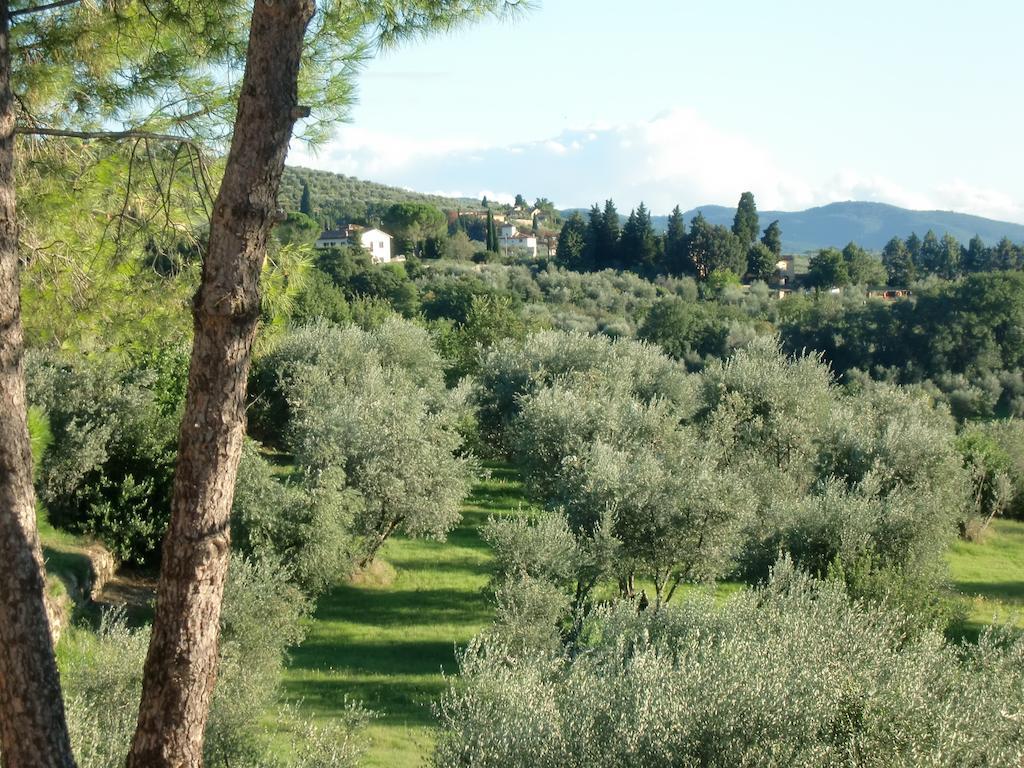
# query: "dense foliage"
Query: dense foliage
{"points": [[792, 673]]}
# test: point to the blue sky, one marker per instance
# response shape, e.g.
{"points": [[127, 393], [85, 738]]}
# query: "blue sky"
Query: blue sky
{"points": [[913, 103]]}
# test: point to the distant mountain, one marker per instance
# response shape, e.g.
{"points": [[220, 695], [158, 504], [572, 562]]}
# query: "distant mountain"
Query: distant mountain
{"points": [[871, 225]]}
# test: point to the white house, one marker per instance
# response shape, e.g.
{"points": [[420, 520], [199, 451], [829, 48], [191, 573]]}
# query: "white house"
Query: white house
{"points": [[510, 237], [374, 241]]}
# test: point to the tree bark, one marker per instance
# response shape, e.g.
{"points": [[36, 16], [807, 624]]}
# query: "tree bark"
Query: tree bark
{"points": [[33, 731], [181, 666]]}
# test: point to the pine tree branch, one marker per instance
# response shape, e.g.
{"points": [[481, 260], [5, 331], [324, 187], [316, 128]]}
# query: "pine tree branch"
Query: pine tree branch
{"points": [[29, 130], [40, 8]]}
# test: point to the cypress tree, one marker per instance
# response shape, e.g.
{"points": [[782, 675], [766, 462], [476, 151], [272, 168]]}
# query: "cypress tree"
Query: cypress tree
{"points": [[745, 225], [772, 238], [305, 204], [492, 233]]}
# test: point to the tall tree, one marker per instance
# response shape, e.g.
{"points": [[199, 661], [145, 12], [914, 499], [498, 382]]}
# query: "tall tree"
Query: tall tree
{"points": [[594, 236], [863, 268], [772, 238], [827, 269], [745, 224], [950, 257], [180, 667], [638, 245], [713, 247], [899, 265], [492, 233], [930, 259], [305, 203], [675, 244], [608, 239], [33, 730], [913, 244], [572, 241], [1007, 256], [978, 257]]}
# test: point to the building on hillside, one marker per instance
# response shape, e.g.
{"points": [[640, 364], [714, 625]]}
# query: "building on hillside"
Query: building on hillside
{"points": [[375, 242], [786, 269], [510, 237]]}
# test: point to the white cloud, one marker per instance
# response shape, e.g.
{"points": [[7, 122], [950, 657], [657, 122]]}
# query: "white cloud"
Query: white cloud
{"points": [[961, 196], [678, 157]]}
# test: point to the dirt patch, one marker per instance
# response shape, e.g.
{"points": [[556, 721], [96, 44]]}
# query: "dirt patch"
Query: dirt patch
{"points": [[379, 573], [134, 592]]}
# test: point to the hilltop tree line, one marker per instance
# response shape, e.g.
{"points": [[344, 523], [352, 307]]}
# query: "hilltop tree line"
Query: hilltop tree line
{"points": [[600, 242], [903, 261]]}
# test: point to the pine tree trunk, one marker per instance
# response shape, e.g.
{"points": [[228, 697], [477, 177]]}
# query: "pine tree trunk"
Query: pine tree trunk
{"points": [[181, 666], [33, 731]]}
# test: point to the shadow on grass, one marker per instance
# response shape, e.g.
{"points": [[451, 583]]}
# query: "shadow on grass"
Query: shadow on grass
{"points": [[388, 646], [389, 608], [996, 590], [394, 700]]}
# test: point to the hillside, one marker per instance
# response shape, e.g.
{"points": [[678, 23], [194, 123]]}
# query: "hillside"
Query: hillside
{"points": [[337, 198], [871, 225]]}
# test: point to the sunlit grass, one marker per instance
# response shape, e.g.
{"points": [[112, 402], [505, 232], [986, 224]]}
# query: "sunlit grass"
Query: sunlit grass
{"points": [[390, 646], [991, 573]]}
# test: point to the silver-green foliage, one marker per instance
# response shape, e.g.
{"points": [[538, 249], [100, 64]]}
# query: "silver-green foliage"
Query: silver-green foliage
{"points": [[791, 674], [675, 477], [304, 520], [511, 371], [372, 407]]}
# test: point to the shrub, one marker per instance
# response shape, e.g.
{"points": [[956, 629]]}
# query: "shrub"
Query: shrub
{"points": [[789, 674], [109, 467], [304, 521]]}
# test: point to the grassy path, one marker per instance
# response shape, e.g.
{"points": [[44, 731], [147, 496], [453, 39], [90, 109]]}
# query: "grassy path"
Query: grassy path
{"points": [[387, 645]]}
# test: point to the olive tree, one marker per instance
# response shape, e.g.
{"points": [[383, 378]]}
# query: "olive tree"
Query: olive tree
{"points": [[371, 409], [793, 673]]}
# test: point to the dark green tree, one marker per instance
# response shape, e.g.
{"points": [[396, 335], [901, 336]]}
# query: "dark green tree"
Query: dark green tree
{"points": [[761, 262], [638, 245], [863, 268], [608, 242], [675, 262], [492, 233], [572, 242], [772, 238], [978, 256], [949, 262], [520, 202], [305, 204], [930, 261], [710, 248], [412, 224], [899, 265], [1007, 256], [914, 249], [745, 224], [827, 269]]}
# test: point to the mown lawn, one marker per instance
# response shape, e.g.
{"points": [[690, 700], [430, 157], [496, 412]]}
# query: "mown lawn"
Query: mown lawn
{"points": [[388, 646], [991, 572]]}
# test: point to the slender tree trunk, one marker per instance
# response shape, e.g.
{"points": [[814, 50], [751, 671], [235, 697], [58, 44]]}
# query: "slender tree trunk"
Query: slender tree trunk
{"points": [[181, 666], [33, 731]]}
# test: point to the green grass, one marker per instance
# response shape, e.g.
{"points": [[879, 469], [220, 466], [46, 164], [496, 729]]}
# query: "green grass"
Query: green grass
{"points": [[63, 553], [390, 646], [991, 572]]}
